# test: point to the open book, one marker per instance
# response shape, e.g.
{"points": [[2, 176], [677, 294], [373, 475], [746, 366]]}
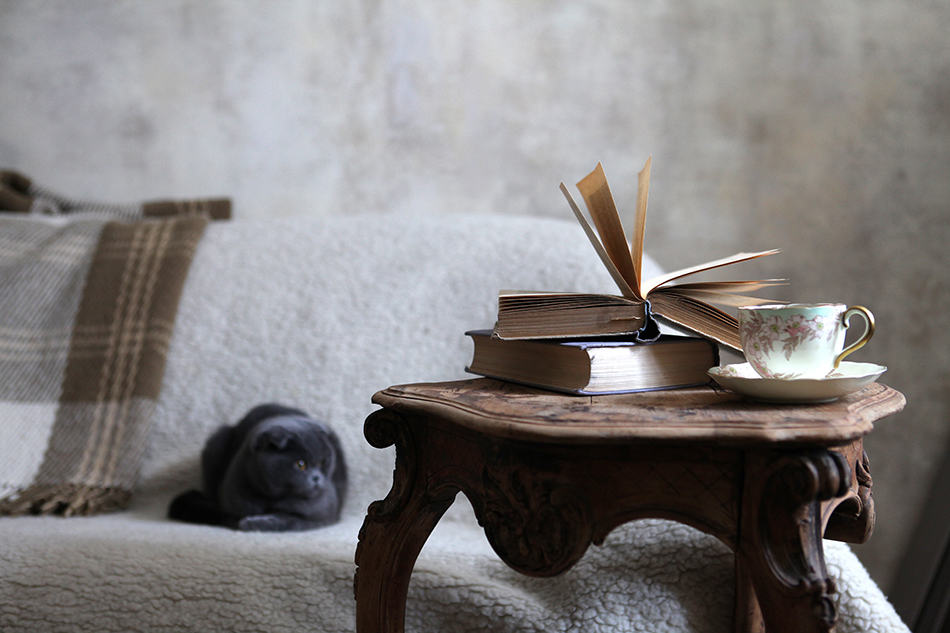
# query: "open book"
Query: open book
{"points": [[526, 315]]}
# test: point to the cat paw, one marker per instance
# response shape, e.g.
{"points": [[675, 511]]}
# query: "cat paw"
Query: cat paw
{"points": [[261, 523]]}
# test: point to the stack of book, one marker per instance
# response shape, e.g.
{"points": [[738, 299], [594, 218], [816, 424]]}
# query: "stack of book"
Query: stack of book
{"points": [[597, 343]]}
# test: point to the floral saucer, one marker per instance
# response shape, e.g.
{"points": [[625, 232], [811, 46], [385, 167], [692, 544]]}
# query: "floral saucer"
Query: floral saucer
{"points": [[848, 378]]}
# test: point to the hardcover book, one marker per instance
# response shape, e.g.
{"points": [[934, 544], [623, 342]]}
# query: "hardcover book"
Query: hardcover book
{"points": [[595, 367], [532, 314]]}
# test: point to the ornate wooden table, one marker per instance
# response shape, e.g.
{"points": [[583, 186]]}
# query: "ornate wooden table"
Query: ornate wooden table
{"points": [[548, 475]]}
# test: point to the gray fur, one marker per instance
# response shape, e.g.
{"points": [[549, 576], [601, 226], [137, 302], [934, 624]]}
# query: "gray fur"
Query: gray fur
{"points": [[277, 469]]}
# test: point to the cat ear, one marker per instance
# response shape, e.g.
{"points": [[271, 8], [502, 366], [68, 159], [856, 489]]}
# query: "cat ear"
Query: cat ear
{"points": [[272, 439]]}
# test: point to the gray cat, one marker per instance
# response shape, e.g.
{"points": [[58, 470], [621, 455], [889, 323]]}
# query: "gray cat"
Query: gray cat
{"points": [[277, 469]]}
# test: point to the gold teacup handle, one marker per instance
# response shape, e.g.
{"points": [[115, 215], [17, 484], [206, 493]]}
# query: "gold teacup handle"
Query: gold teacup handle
{"points": [[868, 330]]}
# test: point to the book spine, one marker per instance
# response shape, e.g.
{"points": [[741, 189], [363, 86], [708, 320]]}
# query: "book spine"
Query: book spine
{"points": [[650, 331]]}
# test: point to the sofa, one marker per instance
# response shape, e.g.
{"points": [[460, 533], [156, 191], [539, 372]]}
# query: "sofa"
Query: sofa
{"points": [[319, 313]]}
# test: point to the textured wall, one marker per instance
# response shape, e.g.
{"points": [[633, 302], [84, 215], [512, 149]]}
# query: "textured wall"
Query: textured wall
{"points": [[821, 128]]}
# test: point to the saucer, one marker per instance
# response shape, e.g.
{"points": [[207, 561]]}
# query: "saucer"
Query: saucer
{"points": [[848, 378]]}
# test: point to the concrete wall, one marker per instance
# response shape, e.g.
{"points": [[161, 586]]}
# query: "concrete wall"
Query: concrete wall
{"points": [[821, 128]]}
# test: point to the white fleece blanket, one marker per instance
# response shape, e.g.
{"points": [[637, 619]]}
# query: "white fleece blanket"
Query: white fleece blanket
{"points": [[320, 313]]}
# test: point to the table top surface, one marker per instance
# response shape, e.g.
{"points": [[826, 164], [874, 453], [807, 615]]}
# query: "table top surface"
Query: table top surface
{"points": [[700, 414]]}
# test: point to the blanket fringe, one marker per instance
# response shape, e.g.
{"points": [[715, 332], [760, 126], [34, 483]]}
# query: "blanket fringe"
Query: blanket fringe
{"points": [[65, 500]]}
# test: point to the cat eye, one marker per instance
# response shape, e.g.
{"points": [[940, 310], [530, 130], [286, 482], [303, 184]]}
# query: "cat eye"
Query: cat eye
{"points": [[301, 464]]}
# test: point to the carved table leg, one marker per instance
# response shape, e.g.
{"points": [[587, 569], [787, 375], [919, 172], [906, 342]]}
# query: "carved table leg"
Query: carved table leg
{"points": [[780, 550], [394, 531], [852, 518], [748, 615]]}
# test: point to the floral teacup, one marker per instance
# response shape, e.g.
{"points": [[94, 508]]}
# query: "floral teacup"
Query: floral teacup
{"points": [[799, 340]]}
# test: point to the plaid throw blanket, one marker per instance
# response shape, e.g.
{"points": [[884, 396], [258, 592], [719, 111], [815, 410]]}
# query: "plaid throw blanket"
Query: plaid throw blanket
{"points": [[87, 310]]}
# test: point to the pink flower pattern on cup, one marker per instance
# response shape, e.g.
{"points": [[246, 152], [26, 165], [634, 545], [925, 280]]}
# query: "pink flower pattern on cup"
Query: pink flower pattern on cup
{"points": [[764, 333]]}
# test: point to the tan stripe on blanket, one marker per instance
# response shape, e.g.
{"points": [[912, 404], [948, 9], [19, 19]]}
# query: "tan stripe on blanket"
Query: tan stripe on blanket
{"points": [[121, 362], [115, 365]]}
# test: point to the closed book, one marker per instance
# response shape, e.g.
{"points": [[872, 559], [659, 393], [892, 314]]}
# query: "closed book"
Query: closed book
{"points": [[592, 367]]}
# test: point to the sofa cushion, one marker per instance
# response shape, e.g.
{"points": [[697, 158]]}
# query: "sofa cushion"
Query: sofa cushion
{"points": [[134, 571], [320, 313]]}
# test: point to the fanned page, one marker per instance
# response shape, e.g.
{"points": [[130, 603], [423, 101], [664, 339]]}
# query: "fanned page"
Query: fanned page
{"points": [[731, 286], [600, 204], [721, 298], [622, 284], [656, 282], [685, 304], [727, 293], [639, 223]]}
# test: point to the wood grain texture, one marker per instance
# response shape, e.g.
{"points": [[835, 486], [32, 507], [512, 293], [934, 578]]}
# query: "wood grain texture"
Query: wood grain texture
{"points": [[701, 414], [548, 475]]}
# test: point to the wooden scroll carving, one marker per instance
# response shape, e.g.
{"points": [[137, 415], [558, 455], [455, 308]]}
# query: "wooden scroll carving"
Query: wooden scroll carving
{"points": [[853, 519], [783, 543]]}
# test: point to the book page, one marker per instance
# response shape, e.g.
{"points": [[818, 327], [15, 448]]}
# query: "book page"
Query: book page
{"points": [[698, 317], [730, 286], [725, 292], [722, 298], [603, 210], [640, 220], [622, 284], [656, 282], [534, 298]]}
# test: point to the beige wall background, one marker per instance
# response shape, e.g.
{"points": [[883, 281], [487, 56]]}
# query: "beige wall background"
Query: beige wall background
{"points": [[822, 128]]}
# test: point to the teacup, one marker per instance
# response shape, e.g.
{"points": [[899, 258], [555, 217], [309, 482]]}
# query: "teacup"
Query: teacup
{"points": [[799, 340]]}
